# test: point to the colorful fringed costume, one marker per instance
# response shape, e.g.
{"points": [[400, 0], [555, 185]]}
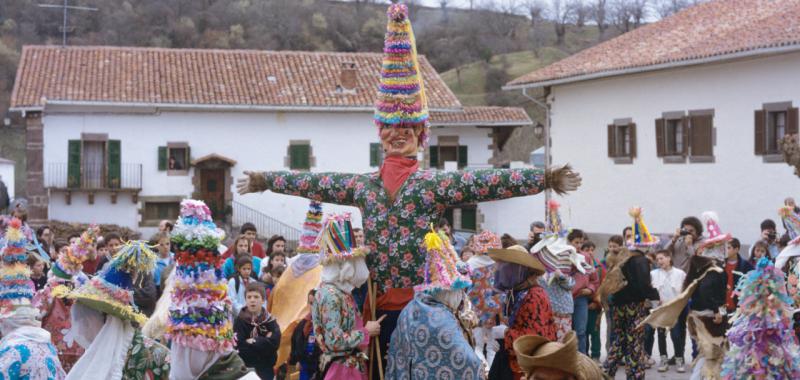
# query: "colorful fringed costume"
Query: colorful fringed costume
{"points": [[65, 275], [106, 321], [762, 343], [430, 328], [200, 322], [26, 351]]}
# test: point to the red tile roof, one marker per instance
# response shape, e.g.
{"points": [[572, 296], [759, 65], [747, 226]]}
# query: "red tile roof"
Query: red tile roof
{"points": [[482, 116], [203, 77], [717, 29]]}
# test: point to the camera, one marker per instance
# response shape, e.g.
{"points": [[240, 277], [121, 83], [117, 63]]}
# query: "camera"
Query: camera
{"points": [[684, 232], [772, 235]]}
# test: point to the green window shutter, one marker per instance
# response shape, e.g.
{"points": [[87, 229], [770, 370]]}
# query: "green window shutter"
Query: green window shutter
{"points": [[299, 157], [469, 219], [462, 156], [188, 158], [74, 164], [434, 156], [375, 154], [162, 158], [114, 164]]}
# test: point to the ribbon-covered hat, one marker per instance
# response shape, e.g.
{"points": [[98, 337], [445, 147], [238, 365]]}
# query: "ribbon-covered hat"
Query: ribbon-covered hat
{"points": [[401, 97], [642, 239], [311, 229], [553, 250], [71, 262], [200, 311], [443, 270], [792, 222], [713, 245], [111, 291], [485, 241], [336, 240], [16, 287]]}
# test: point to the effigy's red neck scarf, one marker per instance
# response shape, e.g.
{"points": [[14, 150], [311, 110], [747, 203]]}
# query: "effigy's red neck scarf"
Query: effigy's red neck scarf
{"points": [[395, 170]]}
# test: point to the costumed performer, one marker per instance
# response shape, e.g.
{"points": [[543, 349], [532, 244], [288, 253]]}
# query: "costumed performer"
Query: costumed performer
{"points": [[541, 358], [200, 316], [486, 300], [630, 303], [789, 260], [65, 275], [399, 201], [762, 342], [527, 306], [704, 290], [433, 338], [561, 260], [106, 320], [26, 351], [288, 299], [338, 327]]}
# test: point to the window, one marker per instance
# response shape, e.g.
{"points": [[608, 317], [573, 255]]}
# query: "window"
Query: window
{"points": [[674, 137], [300, 156], [156, 209], [772, 123], [679, 136], [174, 158], [439, 154], [463, 218], [93, 162], [622, 141], [375, 154]]}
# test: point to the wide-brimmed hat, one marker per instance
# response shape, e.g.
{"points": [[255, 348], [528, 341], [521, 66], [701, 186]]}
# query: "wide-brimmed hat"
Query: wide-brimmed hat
{"points": [[517, 254], [535, 351], [111, 291]]}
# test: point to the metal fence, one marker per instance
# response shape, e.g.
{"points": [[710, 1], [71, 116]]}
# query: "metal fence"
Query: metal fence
{"points": [[93, 177], [265, 224]]}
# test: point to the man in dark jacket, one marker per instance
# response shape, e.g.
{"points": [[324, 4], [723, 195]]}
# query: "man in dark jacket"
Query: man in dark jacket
{"points": [[257, 333], [735, 267]]}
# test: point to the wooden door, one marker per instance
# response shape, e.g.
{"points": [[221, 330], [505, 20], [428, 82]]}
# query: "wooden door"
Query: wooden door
{"points": [[212, 191]]}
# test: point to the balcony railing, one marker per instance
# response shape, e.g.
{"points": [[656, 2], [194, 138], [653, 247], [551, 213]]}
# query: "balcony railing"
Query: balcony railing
{"points": [[265, 224], [93, 177]]}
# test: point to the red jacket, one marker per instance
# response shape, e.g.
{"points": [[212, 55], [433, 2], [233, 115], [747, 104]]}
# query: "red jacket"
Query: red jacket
{"points": [[257, 251], [589, 281]]}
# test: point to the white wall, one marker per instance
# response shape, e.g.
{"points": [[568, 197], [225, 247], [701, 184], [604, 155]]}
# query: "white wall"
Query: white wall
{"points": [[123, 213], [7, 175], [739, 185], [257, 141]]}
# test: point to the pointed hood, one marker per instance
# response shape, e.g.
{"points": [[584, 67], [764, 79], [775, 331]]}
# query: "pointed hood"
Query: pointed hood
{"points": [[16, 287], [336, 240], [642, 239], [443, 270]]}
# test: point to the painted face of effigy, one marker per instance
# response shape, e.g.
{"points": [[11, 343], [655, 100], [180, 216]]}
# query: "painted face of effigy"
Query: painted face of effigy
{"points": [[400, 141]]}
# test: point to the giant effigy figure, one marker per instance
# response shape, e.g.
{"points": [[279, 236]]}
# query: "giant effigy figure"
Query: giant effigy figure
{"points": [[400, 201]]}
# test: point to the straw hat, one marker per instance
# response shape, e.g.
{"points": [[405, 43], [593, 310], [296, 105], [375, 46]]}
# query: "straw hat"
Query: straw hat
{"points": [[517, 254], [534, 351]]}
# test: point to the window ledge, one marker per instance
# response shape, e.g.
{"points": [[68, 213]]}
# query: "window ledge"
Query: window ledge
{"points": [[674, 159], [772, 158], [622, 160], [702, 160], [177, 172]]}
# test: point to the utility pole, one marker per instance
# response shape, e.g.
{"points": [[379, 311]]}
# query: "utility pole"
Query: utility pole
{"points": [[66, 8]]}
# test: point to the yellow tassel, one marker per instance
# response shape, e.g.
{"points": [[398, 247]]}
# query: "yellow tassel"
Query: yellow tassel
{"points": [[433, 241]]}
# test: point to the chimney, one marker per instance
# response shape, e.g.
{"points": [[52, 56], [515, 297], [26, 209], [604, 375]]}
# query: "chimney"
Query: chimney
{"points": [[347, 76]]}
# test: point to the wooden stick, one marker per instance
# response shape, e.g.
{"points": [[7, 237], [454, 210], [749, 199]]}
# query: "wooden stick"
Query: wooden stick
{"points": [[377, 343], [371, 299]]}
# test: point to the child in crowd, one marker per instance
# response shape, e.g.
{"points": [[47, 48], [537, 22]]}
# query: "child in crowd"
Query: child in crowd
{"points": [[113, 243], [466, 253], [276, 259], [595, 306], [237, 285], [37, 272], [760, 249], [92, 266], [242, 246], [275, 275], [668, 281], [305, 352], [257, 332], [164, 261]]}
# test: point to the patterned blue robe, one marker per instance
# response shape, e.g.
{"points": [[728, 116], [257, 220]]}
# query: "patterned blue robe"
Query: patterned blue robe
{"points": [[27, 354], [428, 344]]}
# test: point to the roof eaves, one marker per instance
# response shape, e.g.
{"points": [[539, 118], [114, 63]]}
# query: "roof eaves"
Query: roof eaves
{"points": [[773, 50], [515, 123], [212, 107]]}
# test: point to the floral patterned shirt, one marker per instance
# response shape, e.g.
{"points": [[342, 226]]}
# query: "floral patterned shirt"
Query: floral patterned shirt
{"points": [[147, 359], [337, 325], [394, 229], [531, 316]]}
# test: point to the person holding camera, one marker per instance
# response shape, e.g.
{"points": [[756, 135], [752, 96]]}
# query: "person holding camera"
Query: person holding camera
{"points": [[535, 234], [685, 241], [769, 235]]}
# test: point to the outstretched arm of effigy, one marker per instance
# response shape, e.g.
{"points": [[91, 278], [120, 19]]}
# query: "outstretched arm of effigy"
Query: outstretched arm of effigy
{"points": [[472, 186], [336, 188]]}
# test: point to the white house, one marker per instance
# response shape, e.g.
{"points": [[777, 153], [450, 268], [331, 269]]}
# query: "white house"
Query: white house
{"points": [[121, 135], [679, 117]]}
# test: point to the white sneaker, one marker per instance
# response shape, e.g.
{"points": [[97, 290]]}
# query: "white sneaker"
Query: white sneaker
{"points": [[663, 365], [649, 363], [680, 366]]}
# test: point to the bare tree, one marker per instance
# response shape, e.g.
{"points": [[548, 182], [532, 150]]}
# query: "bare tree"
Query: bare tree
{"points": [[536, 11], [582, 12], [666, 8], [600, 17], [563, 12], [628, 14]]}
